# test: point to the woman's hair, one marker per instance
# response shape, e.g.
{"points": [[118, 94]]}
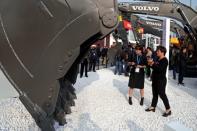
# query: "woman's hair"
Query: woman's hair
{"points": [[149, 48], [138, 47], [162, 49]]}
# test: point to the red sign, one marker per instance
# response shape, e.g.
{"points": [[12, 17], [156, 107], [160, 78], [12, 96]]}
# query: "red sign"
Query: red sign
{"points": [[127, 25]]}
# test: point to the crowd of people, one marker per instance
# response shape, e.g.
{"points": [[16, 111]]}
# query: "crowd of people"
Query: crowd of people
{"points": [[142, 62], [93, 58], [178, 60], [138, 62]]}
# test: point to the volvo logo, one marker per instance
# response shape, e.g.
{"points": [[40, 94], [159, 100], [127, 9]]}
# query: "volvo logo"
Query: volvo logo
{"points": [[145, 8], [153, 23]]}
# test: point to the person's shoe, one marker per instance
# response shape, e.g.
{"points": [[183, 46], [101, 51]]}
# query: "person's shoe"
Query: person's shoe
{"points": [[142, 101], [166, 114], [183, 84], [86, 75], [150, 109], [130, 101]]}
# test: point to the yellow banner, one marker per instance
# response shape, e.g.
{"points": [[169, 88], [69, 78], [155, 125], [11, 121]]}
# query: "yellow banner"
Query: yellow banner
{"points": [[174, 40], [120, 18]]}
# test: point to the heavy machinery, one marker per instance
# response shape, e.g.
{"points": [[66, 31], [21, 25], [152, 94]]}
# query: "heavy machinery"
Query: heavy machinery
{"points": [[168, 8], [155, 26], [41, 44], [173, 9], [152, 29]]}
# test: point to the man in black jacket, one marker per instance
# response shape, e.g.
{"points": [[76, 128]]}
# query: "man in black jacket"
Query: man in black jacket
{"points": [[92, 58], [98, 52], [182, 64], [84, 65]]}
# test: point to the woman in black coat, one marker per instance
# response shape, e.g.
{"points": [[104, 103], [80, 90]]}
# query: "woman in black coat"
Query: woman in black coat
{"points": [[136, 79], [159, 80]]}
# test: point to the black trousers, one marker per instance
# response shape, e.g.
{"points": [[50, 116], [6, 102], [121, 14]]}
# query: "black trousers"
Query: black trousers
{"points": [[92, 64], [84, 65], [181, 74], [158, 89], [98, 62]]}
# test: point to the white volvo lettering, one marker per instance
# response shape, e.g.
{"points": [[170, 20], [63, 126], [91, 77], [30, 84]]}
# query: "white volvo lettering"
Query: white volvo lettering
{"points": [[145, 8], [153, 23]]}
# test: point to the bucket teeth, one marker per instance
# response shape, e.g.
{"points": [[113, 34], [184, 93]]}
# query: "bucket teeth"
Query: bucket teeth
{"points": [[65, 101]]}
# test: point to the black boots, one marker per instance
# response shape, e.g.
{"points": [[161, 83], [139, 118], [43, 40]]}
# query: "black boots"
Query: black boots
{"points": [[142, 101], [130, 101]]}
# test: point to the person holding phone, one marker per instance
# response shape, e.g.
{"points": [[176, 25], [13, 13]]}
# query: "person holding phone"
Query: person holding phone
{"points": [[159, 80]]}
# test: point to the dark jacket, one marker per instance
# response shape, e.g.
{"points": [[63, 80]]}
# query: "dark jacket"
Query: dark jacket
{"points": [[98, 51], [182, 60], [93, 55], [104, 52], [159, 69], [140, 61]]}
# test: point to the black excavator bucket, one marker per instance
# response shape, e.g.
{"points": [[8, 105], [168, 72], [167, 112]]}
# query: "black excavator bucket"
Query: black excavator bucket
{"points": [[41, 43]]}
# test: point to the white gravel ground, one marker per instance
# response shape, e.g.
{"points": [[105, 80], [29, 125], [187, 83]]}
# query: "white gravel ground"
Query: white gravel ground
{"points": [[102, 106], [15, 117]]}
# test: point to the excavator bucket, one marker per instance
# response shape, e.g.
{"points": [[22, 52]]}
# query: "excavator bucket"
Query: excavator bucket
{"points": [[41, 43]]}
